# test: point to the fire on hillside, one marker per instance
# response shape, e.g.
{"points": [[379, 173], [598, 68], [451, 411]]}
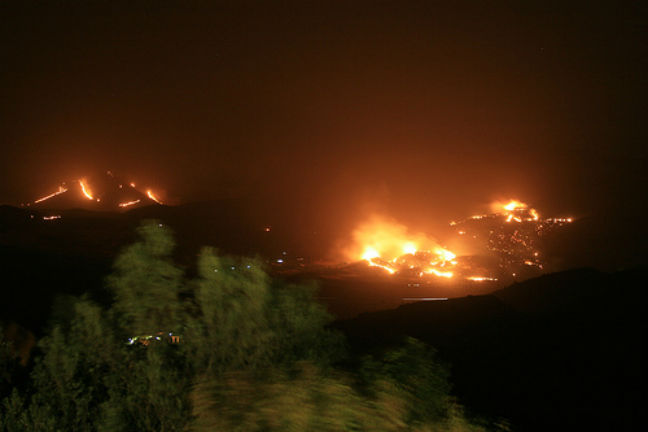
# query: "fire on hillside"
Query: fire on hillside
{"points": [[510, 234], [106, 193]]}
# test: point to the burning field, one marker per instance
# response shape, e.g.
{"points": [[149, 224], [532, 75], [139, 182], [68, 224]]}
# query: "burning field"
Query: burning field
{"points": [[105, 193], [505, 243], [499, 246]]}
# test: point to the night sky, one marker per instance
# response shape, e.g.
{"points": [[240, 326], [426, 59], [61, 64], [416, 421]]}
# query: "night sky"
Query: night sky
{"points": [[419, 109]]}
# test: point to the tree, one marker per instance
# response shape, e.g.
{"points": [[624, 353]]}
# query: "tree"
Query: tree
{"points": [[228, 328], [255, 355], [242, 319], [146, 283]]}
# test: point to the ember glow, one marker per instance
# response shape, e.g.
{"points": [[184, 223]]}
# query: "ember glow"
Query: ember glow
{"points": [[150, 194], [85, 189], [512, 233], [481, 278], [60, 190], [129, 203]]}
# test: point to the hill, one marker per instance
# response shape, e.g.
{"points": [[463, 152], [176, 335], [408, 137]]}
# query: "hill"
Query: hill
{"points": [[560, 352]]}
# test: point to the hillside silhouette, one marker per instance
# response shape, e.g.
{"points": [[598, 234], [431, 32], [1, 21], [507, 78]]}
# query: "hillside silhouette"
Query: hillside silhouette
{"points": [[564, 351]]}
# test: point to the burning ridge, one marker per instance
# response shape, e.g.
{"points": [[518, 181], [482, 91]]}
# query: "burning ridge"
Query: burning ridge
{"points": [[106, 192], [510, 234]]}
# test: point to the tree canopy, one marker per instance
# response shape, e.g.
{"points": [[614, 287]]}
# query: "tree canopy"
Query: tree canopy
{"points": [[230, 349]]}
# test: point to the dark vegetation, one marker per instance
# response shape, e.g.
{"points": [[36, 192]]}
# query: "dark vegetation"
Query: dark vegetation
{"points": [[564, 351], [254, 354]]}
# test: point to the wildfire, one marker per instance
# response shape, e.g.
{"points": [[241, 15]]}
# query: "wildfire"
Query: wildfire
{"points": [[153, 197], [129, 203], [514, 205], [60, 190], [389, 246], [515, 211], [85, 189], [512, 233], [481, 278]]}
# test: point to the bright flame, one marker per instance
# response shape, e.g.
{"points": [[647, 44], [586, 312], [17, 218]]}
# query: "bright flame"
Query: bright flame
{"points": [[444, 254], [129, 203], [409, 248], [515, 205], [85, 189], [370, 253], [384, 267], [153, 197], [389, 245], [516, 211], [534, 214], [439, 273], [60, 190], [481, 278]]}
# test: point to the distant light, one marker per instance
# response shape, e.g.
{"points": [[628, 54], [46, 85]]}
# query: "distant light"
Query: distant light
{"points": [[425, 298], [85, 189], [233, 268], [481, 278], [61, 190], [284, 253], [129, 203], [266, 229], [248, 266], [280, 260], [149, 193]]}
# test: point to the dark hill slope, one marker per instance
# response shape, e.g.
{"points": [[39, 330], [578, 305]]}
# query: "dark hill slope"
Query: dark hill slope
{"points": [[563, 351]]}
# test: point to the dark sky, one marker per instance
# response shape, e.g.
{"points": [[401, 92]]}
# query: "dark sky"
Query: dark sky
{"points": [[416, 108]]}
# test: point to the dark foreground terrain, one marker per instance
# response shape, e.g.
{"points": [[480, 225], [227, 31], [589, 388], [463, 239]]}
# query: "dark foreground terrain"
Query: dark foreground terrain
{"points": [[564, 351]]}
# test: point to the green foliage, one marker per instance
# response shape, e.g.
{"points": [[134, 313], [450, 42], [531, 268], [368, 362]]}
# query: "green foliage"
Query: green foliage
{"points": [[229, 326], [417, 375], [305, 400], [310, 399], [254, 355], [241, 320], [146, 283], [150, 394], [8, 363], [70, 378]]}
